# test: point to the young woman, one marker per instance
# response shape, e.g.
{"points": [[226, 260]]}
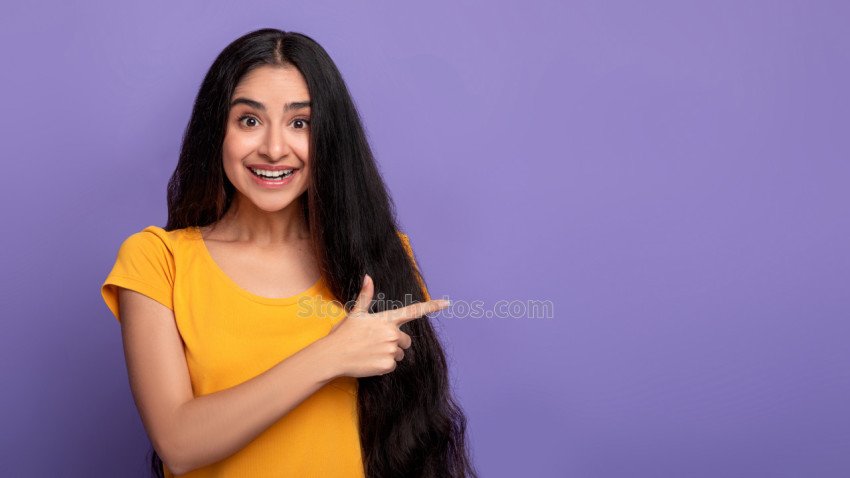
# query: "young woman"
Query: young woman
{"points": [[276, 326]]}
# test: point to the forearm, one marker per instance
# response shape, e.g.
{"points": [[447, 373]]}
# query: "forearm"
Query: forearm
{"points": [[212, 427]]}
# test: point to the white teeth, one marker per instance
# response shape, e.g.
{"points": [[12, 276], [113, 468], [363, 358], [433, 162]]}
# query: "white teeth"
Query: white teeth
{"points": [[272, 175]]}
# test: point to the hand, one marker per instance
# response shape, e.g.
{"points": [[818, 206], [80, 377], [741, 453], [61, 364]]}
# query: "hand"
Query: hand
{"points": [[365, 344]]}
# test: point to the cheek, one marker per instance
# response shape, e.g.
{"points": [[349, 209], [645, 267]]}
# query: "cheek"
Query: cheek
{"points": [[235, 147], [236, 144], [231, 157], [302, 147]]}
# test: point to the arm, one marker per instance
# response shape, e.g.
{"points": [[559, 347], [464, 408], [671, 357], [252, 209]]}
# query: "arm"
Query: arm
{"points": [[189, 432]]}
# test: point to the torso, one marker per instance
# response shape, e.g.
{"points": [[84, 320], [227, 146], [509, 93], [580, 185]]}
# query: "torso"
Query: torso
{"points": [[271, 271]]}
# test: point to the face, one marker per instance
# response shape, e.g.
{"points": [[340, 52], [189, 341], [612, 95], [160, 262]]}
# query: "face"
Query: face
{"points": [[268, 134]]}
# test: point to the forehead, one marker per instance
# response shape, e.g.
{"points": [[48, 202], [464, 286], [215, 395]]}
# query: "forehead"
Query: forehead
{"points": [[273, 85]]}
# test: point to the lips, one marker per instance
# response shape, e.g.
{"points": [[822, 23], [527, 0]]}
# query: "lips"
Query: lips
{"points": [[266, 167]]}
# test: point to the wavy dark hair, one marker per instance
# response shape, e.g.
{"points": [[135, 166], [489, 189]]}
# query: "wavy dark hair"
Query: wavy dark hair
{"points": [[410, 425]]}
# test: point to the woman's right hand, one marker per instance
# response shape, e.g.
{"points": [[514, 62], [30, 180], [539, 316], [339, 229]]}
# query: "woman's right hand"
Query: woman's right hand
{"points": [[364, 344]]}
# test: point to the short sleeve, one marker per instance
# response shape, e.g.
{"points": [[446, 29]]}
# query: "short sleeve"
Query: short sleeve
{"points": [[405, 241], [145, 264]]}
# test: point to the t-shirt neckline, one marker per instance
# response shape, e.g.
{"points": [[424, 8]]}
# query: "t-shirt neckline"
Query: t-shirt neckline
{"points": [[313, 289]]}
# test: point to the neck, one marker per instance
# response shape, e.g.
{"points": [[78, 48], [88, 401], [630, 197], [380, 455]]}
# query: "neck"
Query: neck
{"points": [[244, 222]]}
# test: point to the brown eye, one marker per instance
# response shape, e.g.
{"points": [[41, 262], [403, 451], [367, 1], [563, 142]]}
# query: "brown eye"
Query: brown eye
{"points": [[247, 117], [303, 121]]}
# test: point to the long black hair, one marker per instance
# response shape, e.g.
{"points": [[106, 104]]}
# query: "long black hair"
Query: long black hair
{"points": [[410, 425]]}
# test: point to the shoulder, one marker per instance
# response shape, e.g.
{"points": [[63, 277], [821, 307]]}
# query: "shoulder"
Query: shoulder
{"points": [[155, 235], [152, 243], [405, 242], [145, 264], [405, 238], [154, 238]]}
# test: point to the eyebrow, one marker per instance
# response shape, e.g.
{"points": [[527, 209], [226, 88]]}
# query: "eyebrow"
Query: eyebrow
{"points": [[295, 105]]}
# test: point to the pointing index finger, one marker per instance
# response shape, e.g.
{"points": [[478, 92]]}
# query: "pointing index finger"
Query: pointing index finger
{"points": [[405, 314]]}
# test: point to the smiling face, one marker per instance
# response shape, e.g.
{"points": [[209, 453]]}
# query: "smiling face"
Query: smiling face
{"points": [[268, 134]]}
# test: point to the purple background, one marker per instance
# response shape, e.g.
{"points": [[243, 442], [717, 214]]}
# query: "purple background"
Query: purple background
{"points": [[674, 178]]}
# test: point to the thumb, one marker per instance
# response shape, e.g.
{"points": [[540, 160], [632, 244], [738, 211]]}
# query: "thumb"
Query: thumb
{"points": [[364, 298], [361, 305]]}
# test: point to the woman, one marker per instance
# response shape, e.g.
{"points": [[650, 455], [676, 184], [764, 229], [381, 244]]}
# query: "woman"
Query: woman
{"points": [[253, 344]]}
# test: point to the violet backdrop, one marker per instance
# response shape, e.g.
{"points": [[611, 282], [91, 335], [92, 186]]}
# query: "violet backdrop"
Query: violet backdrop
{"points": [[672, 176]]}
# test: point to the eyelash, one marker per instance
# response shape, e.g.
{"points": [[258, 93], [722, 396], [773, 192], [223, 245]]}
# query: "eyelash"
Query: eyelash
{"points": [[245, 116]]}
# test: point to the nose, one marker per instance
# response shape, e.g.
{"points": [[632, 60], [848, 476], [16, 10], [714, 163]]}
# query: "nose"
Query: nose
{"points": [[274, 145]]}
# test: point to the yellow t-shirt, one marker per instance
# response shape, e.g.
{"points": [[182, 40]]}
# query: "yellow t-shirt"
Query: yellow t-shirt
{"points": [[231, 335]]}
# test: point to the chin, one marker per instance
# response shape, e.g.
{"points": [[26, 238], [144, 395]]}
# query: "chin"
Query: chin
{"points": [[269, 205], [273, 206]]}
